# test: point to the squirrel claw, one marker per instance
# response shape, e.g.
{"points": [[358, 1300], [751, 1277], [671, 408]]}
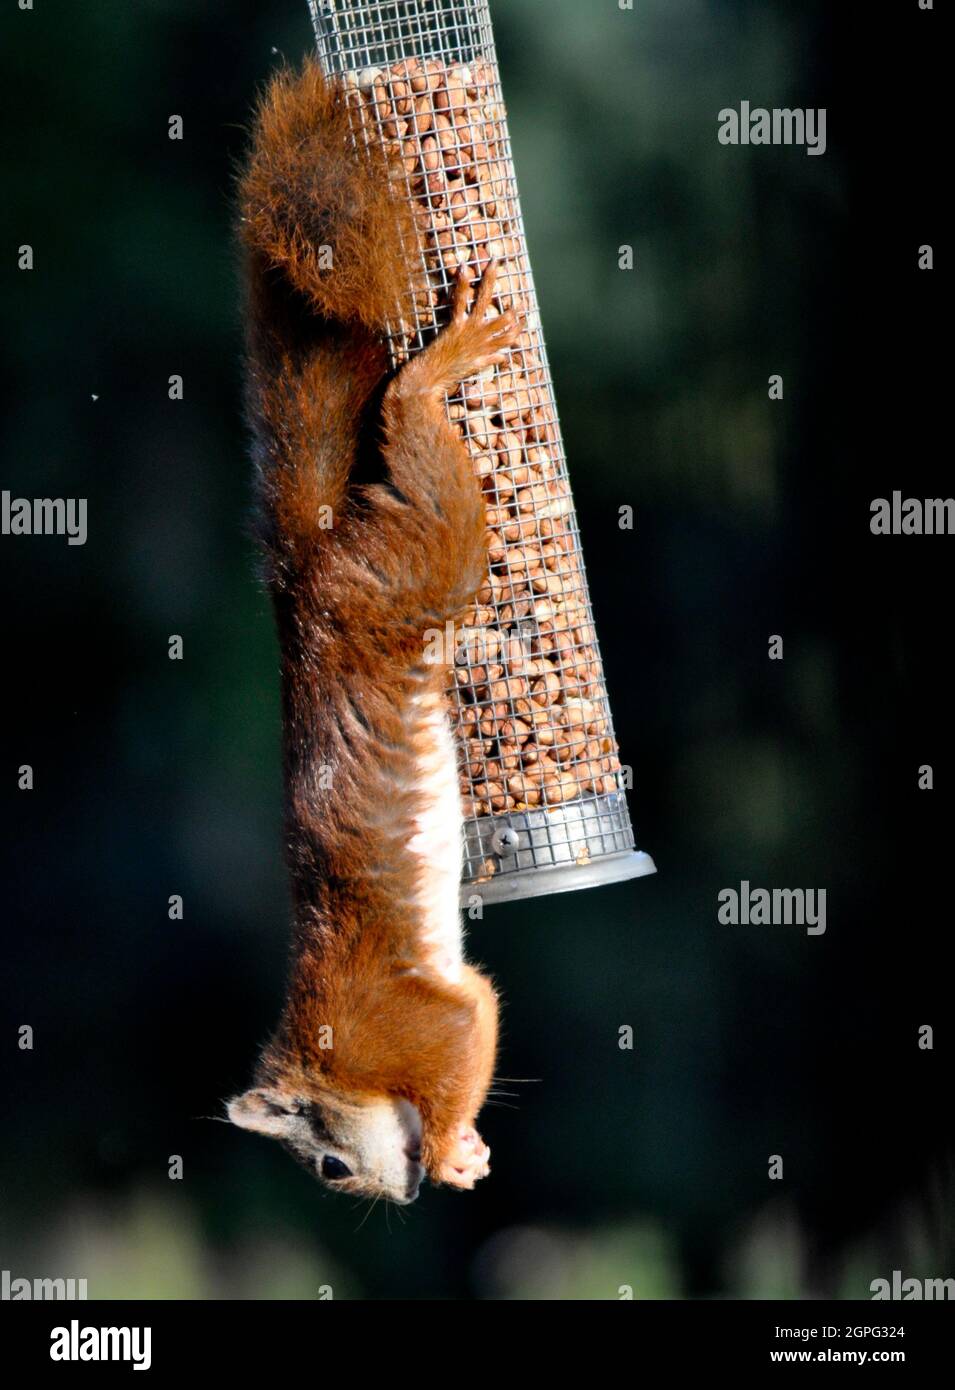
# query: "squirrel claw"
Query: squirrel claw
{"points": [[464, 283], [467, 1161]]}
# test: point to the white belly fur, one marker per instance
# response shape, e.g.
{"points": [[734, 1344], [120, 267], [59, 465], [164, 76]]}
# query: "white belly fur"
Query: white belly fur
{"points": [[437, 841]]}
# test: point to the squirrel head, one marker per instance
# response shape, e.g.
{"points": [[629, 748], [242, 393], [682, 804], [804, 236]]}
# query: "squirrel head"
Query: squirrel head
{"points": [[365, 1146]]}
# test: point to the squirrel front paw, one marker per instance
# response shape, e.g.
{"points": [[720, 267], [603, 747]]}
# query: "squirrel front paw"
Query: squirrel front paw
{"points": [[467, 1160]]}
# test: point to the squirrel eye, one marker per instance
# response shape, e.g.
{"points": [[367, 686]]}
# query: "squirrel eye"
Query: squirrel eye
{"points": [[334, 1169]]}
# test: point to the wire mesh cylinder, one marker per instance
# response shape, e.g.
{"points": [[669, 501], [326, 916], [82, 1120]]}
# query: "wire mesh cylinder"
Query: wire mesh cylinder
{"points": [[540, 777]]}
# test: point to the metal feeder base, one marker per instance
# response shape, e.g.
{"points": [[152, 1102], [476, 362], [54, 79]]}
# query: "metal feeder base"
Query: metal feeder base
{"points": [[537, 852]]}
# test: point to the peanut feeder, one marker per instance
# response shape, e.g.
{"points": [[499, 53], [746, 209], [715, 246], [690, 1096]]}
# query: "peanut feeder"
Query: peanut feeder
{"points": [[540, 777]]}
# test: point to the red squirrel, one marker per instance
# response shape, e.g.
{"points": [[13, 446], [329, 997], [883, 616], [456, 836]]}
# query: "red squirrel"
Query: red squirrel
{"points": [[373, 531]]}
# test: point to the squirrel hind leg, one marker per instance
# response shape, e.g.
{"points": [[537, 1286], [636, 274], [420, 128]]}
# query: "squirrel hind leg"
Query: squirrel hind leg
{"points": [[440, 530], [318, 205], [471, 341]]}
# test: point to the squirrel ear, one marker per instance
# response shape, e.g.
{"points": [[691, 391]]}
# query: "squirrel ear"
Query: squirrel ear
{"points": [[263, 1110]]}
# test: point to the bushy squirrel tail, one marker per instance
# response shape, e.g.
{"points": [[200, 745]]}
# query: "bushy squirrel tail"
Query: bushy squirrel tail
{"points": [[318, 206]]}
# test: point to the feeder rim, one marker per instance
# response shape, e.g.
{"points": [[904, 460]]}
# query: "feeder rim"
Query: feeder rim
{"points": [[561, 878]]}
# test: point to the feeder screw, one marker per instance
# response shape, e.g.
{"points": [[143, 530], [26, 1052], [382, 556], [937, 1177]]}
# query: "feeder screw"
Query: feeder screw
{"points": [[505, 840]]}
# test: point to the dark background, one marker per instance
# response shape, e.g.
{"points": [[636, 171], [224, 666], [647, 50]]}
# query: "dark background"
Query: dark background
{"points": [[154, 777]]}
